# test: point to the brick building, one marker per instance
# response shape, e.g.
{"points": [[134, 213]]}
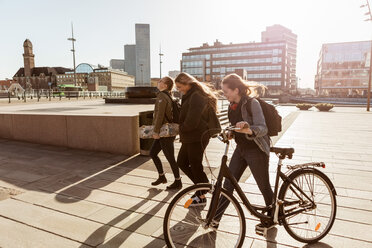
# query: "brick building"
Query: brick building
{"points": [[31, 77]]}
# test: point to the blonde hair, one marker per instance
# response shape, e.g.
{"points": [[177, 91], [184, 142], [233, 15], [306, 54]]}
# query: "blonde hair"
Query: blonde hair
{"points": [[186, 79], [250, 88]]}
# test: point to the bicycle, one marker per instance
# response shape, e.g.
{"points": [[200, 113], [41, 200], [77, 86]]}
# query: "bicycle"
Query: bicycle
{"points": [[305, 205]]}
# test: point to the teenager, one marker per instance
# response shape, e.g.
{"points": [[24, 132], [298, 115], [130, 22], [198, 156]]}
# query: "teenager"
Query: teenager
{"points": [[197, 100], [253, 144], [163, 114]]}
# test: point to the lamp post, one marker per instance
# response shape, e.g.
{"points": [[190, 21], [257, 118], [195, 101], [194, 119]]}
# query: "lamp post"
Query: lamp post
{"points": [[72, 39], [160, 55], [370, 56]]}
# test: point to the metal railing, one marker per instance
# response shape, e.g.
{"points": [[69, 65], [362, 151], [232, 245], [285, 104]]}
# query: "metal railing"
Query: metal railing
{"points": [[55, 95]]}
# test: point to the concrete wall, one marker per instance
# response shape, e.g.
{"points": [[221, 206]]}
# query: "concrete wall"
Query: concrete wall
{"points": [[114, 134]]}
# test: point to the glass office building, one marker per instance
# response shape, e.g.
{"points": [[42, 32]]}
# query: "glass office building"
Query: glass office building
{"points": [[343, 69], [271, 62], [264, 63]]}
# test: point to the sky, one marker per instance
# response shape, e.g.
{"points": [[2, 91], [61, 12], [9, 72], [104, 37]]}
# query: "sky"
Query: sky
{"points": [[102, 28]]}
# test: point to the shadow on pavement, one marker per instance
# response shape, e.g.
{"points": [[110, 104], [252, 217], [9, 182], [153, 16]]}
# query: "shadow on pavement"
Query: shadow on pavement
{"points": [[317, 245], [82, 191], [60, 170], [122, 236]]}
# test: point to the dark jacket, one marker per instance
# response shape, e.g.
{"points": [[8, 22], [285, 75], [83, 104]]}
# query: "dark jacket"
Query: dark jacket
{"points": [[257, 124], [162, 111], [193, 118]]}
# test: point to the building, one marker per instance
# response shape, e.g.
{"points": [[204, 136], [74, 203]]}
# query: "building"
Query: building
{"points": [[271, 62], [263, 62], [280, 33], [154, 82], [343, 69], [118, 64], [106, 79], [130, 59], [31, 77], [5, 84], [112, 80], [143, 70], [173, 74]]}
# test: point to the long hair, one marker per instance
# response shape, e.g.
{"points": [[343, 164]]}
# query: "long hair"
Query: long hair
{"points": [[169, 82], [186, 79], [234, 81]]}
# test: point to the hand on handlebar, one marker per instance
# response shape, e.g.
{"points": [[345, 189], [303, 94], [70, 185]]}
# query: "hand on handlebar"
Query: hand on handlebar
{"points": [[230, 135]]}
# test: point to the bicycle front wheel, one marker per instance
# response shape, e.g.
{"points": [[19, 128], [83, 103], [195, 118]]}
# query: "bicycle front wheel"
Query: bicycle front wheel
{"points": [[185, 224], [308, 221]]}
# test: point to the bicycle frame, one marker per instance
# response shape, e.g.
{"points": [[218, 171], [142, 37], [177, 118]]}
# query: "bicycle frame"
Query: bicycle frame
{"points": [[225, 173]]}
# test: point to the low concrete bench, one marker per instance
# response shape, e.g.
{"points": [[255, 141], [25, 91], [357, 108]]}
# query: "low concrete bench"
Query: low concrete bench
{"points": [[104, 133]]}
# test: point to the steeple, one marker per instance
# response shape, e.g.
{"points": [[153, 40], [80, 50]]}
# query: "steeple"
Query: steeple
{"points": [[28, 57]]}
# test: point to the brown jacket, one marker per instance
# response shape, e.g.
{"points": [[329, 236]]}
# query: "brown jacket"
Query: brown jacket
{"points": [[162, 111]]}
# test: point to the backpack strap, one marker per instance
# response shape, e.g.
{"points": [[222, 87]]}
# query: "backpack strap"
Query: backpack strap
{"points": [[249, 110], [171, 100], [249, 106]]}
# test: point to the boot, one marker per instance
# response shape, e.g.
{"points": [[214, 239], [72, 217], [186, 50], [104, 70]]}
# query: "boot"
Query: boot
{"points": [[160, 180], [177, 184]]}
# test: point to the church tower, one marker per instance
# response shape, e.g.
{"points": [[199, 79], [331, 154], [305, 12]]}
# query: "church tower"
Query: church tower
{"points": [[28, 57]]}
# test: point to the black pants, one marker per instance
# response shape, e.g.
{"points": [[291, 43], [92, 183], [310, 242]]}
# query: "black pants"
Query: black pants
{"points": [[258, 163], [167, 145], [190, 158]]}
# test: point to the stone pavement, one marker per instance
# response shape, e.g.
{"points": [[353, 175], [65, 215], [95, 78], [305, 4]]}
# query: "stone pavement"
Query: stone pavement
{"points": [[93, 107], [60, 197]]}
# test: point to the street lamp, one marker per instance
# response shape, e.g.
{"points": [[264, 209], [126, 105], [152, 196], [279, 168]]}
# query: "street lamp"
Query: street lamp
{"points": [[160, 55], [370, 56], [72, 39]]}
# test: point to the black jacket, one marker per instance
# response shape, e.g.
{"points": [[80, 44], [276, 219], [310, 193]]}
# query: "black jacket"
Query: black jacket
{"points": [[193, 118]]}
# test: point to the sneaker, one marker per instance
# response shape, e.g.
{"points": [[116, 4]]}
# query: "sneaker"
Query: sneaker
{"points": [[195, 202], [267, 224]]}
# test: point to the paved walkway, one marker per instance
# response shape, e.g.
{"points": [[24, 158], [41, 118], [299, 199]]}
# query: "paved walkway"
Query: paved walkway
{"points": [[91, 107], [59, 197]]}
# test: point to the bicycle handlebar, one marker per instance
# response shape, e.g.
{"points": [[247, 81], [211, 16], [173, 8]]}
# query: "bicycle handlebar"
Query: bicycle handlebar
{"points": [[223, 135]]}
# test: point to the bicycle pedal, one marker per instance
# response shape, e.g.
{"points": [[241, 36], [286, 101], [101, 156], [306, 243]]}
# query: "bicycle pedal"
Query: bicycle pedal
{"points": [[261, 231]]}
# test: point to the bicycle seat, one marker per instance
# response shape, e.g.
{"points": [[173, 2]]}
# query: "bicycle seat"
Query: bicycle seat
{"points": [[283, 152]]}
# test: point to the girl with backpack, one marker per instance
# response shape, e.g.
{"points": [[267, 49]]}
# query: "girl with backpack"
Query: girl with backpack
{"points": [[198, 103], [253, 144], [163, 114]]}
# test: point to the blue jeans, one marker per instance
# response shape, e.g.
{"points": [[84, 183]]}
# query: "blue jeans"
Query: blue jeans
{"points": [[258, 163]]}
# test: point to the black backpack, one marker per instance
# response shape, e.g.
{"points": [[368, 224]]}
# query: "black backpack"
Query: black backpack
{"points": [[175, 109], [272, 118], [214, 126]]}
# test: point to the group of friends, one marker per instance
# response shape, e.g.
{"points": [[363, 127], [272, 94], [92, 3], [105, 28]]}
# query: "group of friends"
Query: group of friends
{"points": [[251, 137]]}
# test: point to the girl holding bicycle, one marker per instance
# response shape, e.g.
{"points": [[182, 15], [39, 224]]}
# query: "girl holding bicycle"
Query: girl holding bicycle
{"points": [[162, 115], [253, 144], [194, 136]]}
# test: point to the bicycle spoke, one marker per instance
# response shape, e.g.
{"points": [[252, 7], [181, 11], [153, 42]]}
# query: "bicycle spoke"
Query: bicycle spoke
{"points": [[187, 224], [312, 222]]}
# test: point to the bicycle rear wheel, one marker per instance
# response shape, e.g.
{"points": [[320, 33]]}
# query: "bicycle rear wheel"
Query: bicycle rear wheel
{"points": [[304, 221], [184, 224]]}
